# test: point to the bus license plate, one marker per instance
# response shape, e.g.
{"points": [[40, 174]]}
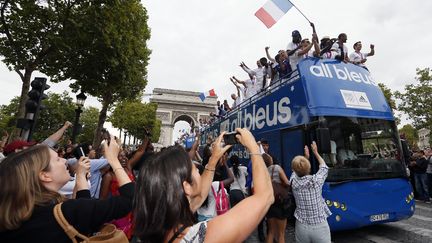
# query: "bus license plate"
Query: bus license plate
{"points": [[379, 217]]}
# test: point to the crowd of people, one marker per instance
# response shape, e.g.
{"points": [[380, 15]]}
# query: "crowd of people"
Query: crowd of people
{"points": [[420, 167], [283, 66], [174, 195], [177, 194]]}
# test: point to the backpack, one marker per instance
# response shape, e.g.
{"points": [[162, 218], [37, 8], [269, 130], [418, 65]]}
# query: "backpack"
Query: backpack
{"points": [[107, 234], [221, 198]]}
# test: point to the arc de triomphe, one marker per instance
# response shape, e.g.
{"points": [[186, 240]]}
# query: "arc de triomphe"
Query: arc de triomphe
{"points": [[178, 105]]}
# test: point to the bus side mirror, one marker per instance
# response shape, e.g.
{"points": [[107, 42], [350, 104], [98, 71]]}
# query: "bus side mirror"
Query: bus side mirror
{"points": [[323, 140]]}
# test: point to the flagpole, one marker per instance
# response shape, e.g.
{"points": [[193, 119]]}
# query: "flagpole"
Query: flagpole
{"points": [[300, 11]]}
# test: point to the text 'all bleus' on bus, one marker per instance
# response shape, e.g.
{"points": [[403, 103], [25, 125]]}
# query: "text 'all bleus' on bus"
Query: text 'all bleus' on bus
{"points": [[342, 108]]}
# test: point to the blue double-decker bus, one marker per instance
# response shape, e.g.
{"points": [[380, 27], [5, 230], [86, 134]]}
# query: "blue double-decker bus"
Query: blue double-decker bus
{"points": [[342, 108]]}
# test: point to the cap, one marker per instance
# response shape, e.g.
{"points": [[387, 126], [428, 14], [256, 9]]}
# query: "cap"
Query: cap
{"points": [[356, 43], [325, 37], [17, 144], [264, 141], [295, 33]]}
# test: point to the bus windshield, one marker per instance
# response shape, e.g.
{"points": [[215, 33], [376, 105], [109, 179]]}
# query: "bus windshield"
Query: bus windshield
{"points": [[362, 149]]}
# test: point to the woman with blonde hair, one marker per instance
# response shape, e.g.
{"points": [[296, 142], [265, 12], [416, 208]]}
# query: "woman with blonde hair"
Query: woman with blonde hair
{"points": [[311, 212], [278, 213], [29, 184]]}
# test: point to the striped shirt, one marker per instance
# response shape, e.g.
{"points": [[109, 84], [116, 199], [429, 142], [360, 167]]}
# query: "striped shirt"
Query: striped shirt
{"points": [[311, 208]]}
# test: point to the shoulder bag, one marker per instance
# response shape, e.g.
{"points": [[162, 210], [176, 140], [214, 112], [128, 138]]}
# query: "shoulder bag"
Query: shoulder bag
{"points": [[107, 234]]}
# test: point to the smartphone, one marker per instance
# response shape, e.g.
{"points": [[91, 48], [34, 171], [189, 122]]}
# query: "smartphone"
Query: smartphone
{"points": [[106, 135], [230, 138], [81, 152]]}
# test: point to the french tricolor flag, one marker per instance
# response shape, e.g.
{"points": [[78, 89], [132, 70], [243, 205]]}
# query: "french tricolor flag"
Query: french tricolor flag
{"points": [[206, 94], [272, 11]]}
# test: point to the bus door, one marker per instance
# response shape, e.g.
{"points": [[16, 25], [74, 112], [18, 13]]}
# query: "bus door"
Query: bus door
{"points": [[292, 144]]}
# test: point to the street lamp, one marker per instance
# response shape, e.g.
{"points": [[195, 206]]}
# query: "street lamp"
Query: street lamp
{"points": [[81, 97]]}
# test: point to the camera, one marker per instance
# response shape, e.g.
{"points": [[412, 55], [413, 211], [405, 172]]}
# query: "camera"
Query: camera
{"points": [[230, 138]]}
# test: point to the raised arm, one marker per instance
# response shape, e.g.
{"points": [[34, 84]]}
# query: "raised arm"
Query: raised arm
{"points": [[239, 222], [55, 137], [268, 55], [111, 152], [372, 50], [194, 148], [291, 52], [139, 153], [317, 49], [246, 69], [81, 174], [209, 170], [239, 81], [305, 50], [316, 154]]}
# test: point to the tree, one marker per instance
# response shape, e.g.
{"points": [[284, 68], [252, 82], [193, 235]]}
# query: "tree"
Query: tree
{"points": [[107, 55], [410, 134], [8, 115], [416, 101], [59, 108], [88, 119], [137, 119], [388, 96], [31, 33], [390, 100]]}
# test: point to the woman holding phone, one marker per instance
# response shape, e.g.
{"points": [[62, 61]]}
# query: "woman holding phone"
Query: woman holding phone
{"points": [[170, 190], [26, 205]]}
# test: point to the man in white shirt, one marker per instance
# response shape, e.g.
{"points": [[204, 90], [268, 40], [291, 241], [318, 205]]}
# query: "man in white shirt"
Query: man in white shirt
{"points": [[260, 73], [292, 49], [237, 98], [340, 48], [248, 89], [358, 57]]}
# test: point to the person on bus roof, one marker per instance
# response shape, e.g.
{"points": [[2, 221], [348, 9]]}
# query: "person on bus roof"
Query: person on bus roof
{"points": [[340, 48], [359, 58]]}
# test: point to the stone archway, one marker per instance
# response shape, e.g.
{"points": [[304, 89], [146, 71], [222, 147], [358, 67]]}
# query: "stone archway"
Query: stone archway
{"points": [[178, 105]]}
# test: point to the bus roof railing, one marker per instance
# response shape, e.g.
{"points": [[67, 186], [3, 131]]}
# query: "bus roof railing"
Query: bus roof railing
{"points": [[275, 85]]}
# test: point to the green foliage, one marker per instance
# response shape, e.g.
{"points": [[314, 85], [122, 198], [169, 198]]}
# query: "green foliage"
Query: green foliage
{"points": [[8, 114], [416, 101], [88, 120], [136, 118], [59, 108], [388, 95], [410, 134], [156, 130], [106, 52], [31, 35], [390, 100]]}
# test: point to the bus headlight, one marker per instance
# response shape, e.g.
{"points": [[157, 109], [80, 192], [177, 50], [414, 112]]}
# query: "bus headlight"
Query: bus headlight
{"points": [[329, 203], [338, 218]]}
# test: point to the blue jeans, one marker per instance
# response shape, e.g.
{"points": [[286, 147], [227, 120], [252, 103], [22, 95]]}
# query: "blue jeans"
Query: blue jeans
{"points": [[421, 186], [429, 184]]}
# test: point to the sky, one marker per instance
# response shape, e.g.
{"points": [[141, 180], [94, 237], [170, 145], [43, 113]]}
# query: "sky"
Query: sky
{"points": [[197, 44]]}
